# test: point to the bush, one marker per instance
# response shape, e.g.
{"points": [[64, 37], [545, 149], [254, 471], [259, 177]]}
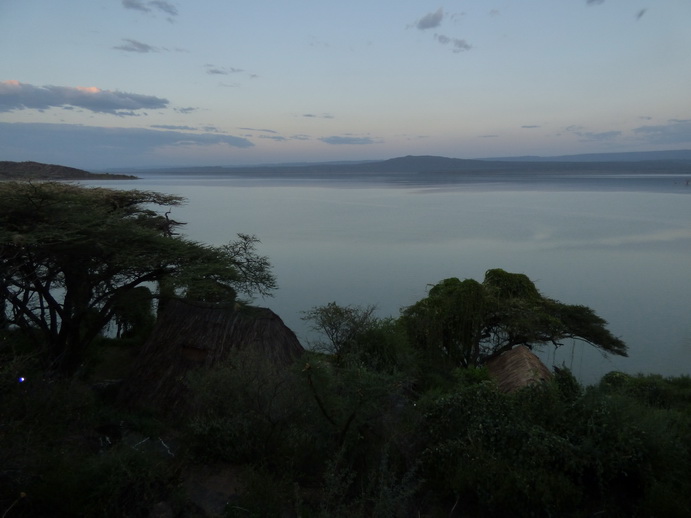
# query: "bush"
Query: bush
{"points": [[486, 453], [546, 450], [118, 482], [266, 494], [51, 450], [651, 389], [248, 411]]}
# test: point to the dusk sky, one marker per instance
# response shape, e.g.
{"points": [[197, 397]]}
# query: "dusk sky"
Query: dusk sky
{"points": [[101, 84]]}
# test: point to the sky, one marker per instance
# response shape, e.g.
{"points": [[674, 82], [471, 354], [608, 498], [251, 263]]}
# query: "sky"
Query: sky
{"points": [[103, 84]]}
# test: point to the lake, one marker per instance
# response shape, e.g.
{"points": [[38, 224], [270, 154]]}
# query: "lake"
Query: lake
{"points": [[618, 244]]}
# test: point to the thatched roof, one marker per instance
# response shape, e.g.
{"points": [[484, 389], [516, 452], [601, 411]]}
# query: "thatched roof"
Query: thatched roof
{"points": [[517, 368], [190, 336]]}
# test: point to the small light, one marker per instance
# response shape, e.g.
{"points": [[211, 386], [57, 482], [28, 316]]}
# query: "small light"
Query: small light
{"points": [[22, 379]]}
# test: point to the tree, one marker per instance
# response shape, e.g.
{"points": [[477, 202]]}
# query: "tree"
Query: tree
{"points": [[465, 323], [341, 325], [356, 336], [70, 255]]}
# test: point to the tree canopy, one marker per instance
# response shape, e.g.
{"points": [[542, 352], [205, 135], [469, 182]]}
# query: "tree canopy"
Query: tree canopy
{"points": [[341, 325], [467, 322], [70, 255]]}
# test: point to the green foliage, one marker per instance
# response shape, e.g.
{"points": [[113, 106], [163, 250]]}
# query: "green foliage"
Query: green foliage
{"points": [[505, 285], [362, 455], [133, 313], [447, 325], [247, 411], [386, 491], [567, 385], [119, 482], [652, 389], [326, 439], [266, 494], [383, 347], [373, 429], [464, 323], [52, 452], [554, 450], [340, 427], [357, 338], [73, 258], [340, 325]]}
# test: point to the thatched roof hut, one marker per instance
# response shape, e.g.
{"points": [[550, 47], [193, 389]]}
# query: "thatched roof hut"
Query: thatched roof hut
{"points": [[517, 368], [190, 336]]}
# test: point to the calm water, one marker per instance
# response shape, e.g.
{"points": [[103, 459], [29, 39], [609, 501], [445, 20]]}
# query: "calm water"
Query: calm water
{"points": [[621, 246]]}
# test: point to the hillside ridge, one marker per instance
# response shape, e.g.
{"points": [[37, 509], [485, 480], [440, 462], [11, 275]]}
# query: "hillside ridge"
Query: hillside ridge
{"points": [[38, 171]]}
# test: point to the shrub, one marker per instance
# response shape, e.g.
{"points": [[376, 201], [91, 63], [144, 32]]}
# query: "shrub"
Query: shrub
{"points": [[118, 482], [485, 452], [51, 451], [246, 410]]}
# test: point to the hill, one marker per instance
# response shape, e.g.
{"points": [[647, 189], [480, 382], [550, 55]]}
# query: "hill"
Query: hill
{"points": [[633, 156], [38, 171], [437, 167]]}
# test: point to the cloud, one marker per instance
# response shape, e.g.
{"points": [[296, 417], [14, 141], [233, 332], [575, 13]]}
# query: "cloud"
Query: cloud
{"points": [[259, 129], [431, 20], [136, 46], [315, 116], [595, 2], [336, 140], [640, 14], [590, 136], [457, 45], [531, 126], [165, 7], [147, 7], [19, 96], [173, 127], [276, 138], [100, 147], [223, 71], [137, 5], [677, 131], [207, 129], [411, 137], [186, 110]]}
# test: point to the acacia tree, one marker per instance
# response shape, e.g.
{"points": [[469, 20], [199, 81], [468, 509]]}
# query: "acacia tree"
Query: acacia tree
{"points": [[341, 325], [69, 256], [465, 323]]}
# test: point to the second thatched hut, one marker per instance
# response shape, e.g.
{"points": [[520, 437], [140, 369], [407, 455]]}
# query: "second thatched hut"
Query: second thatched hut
{"points": [[517, 368]]}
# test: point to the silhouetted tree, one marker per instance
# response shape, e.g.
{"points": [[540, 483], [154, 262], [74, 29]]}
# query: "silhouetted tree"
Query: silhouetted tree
{"points": [[464, 323], [70, 255]]}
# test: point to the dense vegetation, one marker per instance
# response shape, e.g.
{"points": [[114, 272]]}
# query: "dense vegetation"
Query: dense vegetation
{"points": [[393, 417]]}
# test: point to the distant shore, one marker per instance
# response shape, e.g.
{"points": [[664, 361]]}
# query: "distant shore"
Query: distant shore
{"points": [[38, 171]]}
